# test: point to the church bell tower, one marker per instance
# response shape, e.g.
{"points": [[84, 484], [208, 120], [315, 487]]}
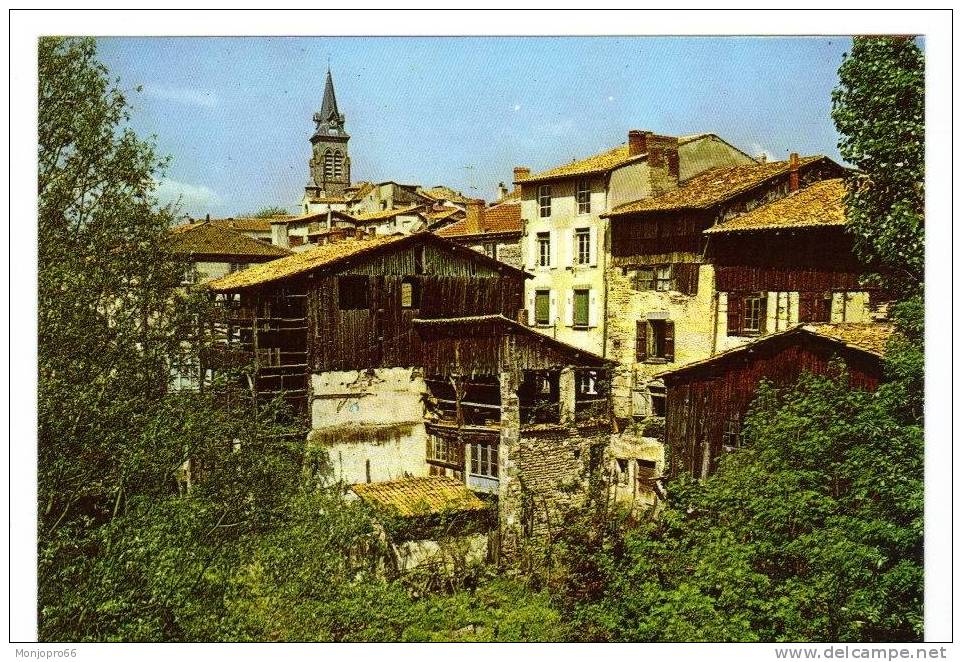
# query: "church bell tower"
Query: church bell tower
{"points": [[330, 164]]}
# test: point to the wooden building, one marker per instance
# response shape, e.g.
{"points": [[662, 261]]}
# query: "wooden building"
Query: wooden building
{"points": [[350, 305], [707, 400]]}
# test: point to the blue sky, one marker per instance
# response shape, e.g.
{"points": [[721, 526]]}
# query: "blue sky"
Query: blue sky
{"points": [[235, 113]]}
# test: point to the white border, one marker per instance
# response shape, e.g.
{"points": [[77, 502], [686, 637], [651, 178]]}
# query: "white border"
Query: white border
{"points": [[27, 26]]}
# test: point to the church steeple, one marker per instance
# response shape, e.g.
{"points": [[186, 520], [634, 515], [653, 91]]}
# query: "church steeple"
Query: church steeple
{"points": [[329, 121], [330, 165]]}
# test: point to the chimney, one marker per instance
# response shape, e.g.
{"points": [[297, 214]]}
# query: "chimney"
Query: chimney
{"points": [[793, 172], [502, 191], [763, 158], [637, 142], [279, 234], [520, 172], [662, 162], [472, 220]]}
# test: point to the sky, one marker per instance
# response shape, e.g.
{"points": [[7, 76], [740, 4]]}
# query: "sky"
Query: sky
{"points": [[234, 113]]}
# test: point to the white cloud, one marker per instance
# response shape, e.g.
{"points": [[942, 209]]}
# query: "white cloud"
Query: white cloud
{"points": [[611, 98], [757, 150], [185, 95], [189, 197], [516, 107]]}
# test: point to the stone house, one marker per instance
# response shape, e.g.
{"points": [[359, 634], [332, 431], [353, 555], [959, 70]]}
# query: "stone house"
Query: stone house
{"points": [[565, 241], [495, 230], [213, 250], [733, 254]]}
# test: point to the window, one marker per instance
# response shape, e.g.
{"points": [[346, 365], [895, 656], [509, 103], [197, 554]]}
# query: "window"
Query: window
{"points": [[621, 471], [491, 250], [445, 451], [542, 307], [580, 314], [484, 459], [656, 394], [410, 293], [657, 278], [587, 383], [754, 318], [237, 266], [544, 201], [338, 164], [654, 340], [583, 246], [352, 292], [544, 249], [583, 196], [296, 240], [732, 433], [645, 474], [328, 165]]}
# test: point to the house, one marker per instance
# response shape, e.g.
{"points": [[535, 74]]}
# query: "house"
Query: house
{"points": [[732, 254], [407, 219], [213, 250], [495, 230], [254, 227], [565, 243], [707, 400], [332, 328]]}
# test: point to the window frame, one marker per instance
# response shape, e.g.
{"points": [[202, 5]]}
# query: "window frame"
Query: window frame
{"points": [[484, 456], [543, 240], [544, 201], [415, 300], [754, 310], [733, 431], [655, 278], [657, 393], [582, 247], [583, 196]]}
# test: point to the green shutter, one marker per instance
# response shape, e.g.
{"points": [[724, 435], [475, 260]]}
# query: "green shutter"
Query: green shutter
{"points": [[541, 308], [581, 308]]}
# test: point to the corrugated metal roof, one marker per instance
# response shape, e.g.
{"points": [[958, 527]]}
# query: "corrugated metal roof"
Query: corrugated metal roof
{"points": [[817, 205], [424, 495], [711, 187]]}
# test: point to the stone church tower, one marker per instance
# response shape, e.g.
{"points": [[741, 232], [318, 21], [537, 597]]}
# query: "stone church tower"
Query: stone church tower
{"points": [[330, 164]]}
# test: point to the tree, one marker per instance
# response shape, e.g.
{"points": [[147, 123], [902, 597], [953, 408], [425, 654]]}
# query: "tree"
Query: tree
{"points": [[878, 108], [268, 212]]}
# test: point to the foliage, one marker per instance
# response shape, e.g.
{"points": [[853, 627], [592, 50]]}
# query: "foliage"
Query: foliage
{"points": [[267, 212], [878, 108], [812, 533]]}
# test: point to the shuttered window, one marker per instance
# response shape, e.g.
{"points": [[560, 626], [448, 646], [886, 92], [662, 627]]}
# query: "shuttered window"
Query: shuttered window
{"points": [[580, 318], [641, 340], [542, 307], [655, 340]]}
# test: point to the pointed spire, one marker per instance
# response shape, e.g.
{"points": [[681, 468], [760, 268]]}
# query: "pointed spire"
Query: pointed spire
{"points": [[329, 121]]}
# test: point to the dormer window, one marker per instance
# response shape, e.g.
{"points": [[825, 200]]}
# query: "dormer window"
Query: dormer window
{"points": [[583, 196]]}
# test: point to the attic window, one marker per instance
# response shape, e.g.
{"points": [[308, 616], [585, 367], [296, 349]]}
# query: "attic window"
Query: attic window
{"points": [[352, 292]]}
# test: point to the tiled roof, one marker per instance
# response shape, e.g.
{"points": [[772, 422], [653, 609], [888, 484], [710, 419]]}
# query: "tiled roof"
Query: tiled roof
{"points": [[424, 495], [500, 218], [328, 255], [298, 263], [444, 193], [868, 337], [360, 189], [711, 187], [262, 224], [596, 164], [331, 199], [388, 213], [819, 204], [443, 213], [210, 239]]}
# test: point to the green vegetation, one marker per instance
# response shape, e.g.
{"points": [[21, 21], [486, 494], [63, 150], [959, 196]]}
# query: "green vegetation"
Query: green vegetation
{"points": [[813, 532]]}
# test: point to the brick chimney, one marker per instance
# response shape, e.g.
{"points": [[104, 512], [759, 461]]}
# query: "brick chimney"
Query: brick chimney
{"points": [[502, 191], [793, 179], [662, 162], [637, 142], [473, 213], [520, 172]]}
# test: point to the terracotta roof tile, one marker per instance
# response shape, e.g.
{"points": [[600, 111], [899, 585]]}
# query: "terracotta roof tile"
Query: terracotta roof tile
{"points": [[817, 205], [388, 213], [596, 164], [711, 187], [206, 238], [870, 337], [496, 219], [424, 495], [299, 263], [444, 193]]}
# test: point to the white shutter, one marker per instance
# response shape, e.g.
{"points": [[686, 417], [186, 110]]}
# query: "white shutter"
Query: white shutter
{"points": [[552, 308], [593, 246], [572, 245], [570, 308], [532, 251], [531, 308], [593, 308], [555, 236]]}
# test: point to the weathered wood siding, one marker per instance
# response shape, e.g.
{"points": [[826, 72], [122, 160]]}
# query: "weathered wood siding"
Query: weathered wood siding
{"points": [[700, 403]]}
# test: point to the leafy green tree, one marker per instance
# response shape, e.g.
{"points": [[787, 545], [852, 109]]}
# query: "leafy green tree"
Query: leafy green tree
{"points": [[268, 212], [878, 108]]}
